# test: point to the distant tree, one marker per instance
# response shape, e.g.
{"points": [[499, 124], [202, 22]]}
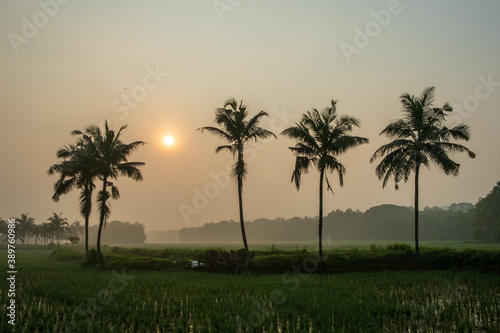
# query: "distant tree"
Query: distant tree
{"points": [[36, 232], [237, 130], [321, 137], [463, 207], [25, 225], [46, 232], [117, 232], [76, 229], [111, 160], [4, 230], [486, 216], [74, 239], [58, 224], [419, 138]]}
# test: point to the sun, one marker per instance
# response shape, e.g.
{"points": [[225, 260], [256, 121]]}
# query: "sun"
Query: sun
{"points": [[168, 140]]}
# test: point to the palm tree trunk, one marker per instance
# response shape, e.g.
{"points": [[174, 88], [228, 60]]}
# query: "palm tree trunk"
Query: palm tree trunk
{"points": [[101, 219], [320, 236], [417, 171], [242, 222], [86, 237]]}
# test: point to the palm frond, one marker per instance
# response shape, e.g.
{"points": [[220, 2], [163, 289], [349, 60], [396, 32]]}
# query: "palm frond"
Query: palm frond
{"points": [[301, 166], [218, 132], [229, 148], [130, 169]]}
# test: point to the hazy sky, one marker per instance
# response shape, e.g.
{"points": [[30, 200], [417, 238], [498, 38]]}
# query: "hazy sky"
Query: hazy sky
{"points": [[163, 67]]}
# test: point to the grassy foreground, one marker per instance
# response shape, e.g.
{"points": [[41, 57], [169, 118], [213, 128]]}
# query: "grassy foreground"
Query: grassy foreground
{"points": [[61, 296]]}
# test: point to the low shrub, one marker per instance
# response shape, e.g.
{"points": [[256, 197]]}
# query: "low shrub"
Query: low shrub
{"points": [[393, 257], [64, 252]]}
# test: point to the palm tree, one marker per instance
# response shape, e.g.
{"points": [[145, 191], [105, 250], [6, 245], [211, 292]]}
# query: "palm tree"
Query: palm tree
{"points": [[419, 138], [77, 169], [111, 158], [25, 225], [237, 130], [58, 224], [45, 232], [36, 232], [321, 137], [76, 229]]}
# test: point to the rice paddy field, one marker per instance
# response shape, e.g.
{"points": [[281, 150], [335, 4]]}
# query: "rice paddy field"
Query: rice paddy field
{"points": [[61, 296]]}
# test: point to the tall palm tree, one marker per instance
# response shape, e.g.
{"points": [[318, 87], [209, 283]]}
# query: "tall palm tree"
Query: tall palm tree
{"points": [[237, 130], [58, 224], [111, 157], [321, 137], [77, 169], [419, 138], [25, 224]]}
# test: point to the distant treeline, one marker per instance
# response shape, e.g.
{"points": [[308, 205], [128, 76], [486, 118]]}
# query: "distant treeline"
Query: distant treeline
{"points": [[117, 232], [385, 222], [462, 221]]}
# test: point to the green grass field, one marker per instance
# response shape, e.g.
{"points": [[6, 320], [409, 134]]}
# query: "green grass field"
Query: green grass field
{"points": [[61, 296]]}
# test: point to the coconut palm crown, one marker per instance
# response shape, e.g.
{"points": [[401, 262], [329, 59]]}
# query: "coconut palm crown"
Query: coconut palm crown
{"points": [[419, 138], [237, 130], [110, 161], [321, 137]]}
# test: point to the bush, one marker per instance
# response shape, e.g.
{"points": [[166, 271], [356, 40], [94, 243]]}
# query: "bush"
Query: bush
{"points": [[399, 247], [67, 253], [92, 259]]}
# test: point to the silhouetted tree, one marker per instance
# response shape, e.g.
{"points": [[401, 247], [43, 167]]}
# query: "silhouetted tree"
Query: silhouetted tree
{"points": [[58, 224], [486, 216], [36, 232], [4, 230], [321, 137], [111, 160], [419, 138], [237, 130], [45, 232], [25, 226], [76, 229], [117, 232], [78, 168]]}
